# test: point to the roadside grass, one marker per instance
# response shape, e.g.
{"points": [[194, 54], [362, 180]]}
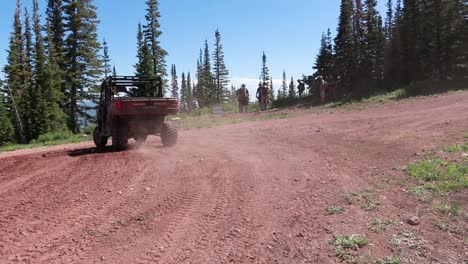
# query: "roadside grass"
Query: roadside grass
{"points": [[209, 120], [450, 209], [345, 247], [380, 225], [407, 240], [456, 147], [367, 199], [436, 175], [388, 260], [49, 139], [448, 228], [332, 210]]}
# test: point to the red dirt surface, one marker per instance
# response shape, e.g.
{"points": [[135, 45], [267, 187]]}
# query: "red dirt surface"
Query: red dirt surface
{"points": [[254, 192]]}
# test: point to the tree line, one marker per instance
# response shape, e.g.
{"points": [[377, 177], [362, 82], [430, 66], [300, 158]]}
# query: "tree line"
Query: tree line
{"points": [[212, 78], [54, 70], [419, 40]]}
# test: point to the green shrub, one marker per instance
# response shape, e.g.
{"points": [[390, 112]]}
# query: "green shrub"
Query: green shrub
{"points": [[426, 170], [89, 130]]}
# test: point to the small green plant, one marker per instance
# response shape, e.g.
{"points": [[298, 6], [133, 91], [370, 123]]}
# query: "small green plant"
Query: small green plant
{"points": [[456, 148], [449, 209], [447, 227], [335, 210], [388, 260], [380, 225], [426, 170], [344, 245], [438, 176], [407, 239], [371, 204], [419, 191]]}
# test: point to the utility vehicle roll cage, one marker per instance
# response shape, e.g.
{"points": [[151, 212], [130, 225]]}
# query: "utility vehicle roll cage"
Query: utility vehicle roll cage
{"points": [[145, 87]]}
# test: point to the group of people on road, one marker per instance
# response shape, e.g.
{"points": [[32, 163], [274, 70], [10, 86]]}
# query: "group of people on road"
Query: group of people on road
{"points": [[323, 86], [243, 95]]}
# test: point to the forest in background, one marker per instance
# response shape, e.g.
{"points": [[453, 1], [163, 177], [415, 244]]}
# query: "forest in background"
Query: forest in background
{"points": [[54, 68]]}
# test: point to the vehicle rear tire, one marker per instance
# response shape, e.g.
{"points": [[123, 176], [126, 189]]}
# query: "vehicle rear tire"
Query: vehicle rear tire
{"points": [[99, 141], [169, 135], [119, 137]]}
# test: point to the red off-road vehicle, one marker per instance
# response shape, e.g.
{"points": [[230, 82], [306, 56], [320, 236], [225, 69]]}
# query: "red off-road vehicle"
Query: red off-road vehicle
{"points": [[134, 107]]}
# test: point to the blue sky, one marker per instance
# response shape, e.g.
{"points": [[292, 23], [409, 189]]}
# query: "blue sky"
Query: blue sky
{"points": [[288, 31]]}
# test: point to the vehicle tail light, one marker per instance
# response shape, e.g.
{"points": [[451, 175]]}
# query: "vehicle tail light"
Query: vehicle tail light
{"points": [[119, 105]]}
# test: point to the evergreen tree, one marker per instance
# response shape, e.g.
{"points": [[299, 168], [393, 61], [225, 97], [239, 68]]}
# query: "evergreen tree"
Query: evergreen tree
{"points": [[114, 71], [28, 104], [344, 48], [271, 97], [233, 97], [106, 59], [6, 126], [372, 64], [324, 63], [174, 82], [82, 58], [284, 88], [183, 90], [207, 79], [14, 74], [41, 122], [56, 44], [52, 89], [265, 72], [200, 93], [188, 95], [292, 89], [144, 66], [220, 71], [152, 34]]}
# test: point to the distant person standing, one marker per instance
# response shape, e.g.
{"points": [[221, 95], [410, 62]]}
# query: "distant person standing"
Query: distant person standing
{"points": [[300, 87], [262, 96], [242, 98]]}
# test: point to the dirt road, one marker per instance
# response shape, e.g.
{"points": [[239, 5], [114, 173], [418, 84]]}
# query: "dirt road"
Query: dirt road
{"points": [[253, 192]]}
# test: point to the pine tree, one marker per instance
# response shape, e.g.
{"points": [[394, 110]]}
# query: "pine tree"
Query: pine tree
{"points": [[82, 57], [106, 59], [271, 97], [183, 90], [56, 44], [14, 75], [372, 61], [207, 79], [265, 72], [292, 89], [188, 95], [174, 82], [344, 48], [42, 123], [220, 71], [284, 88], [144, 66], [233, 98], [28, 104], [324, 62], [200, 93], [52, 89], [114, 71], [152, 34], [6, 126]]}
